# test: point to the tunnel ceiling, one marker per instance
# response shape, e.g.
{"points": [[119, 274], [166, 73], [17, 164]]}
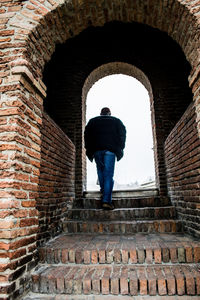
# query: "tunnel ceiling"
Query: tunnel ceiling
{"points": [[149, 49]]}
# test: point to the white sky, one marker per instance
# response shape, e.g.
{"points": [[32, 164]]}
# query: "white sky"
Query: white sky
{"points": [[128, 100]]}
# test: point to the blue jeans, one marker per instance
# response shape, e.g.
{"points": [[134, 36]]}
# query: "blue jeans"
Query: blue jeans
{"points": [[105, 162]]}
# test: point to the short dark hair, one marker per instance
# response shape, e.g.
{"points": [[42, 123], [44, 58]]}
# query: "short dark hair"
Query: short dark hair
{"points": [[105, 111]]}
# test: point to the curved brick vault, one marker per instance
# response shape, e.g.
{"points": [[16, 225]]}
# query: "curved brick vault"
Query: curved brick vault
{"points": [[33, 145], [136, 45]]}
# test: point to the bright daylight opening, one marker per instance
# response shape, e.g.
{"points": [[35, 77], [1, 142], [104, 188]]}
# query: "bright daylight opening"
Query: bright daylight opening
{"points": [[129, 101]]}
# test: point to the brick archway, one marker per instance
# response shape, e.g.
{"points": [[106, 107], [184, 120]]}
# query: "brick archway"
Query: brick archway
{"points": [[125, 69], [30, 32]]}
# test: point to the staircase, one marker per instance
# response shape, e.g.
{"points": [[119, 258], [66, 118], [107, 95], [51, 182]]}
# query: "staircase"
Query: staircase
{"points": [[137, 251]]}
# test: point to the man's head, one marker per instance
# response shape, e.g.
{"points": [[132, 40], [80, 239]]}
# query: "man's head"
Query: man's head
{"points": [[105, 111]]}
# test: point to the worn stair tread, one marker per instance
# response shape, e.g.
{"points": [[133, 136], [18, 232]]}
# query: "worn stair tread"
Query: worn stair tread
{"points": [[124, 208], [148, 192], [118, 279], [150, 201], [144, 213], [120, 226], [138, 248], [124, 222], [38, 296]]}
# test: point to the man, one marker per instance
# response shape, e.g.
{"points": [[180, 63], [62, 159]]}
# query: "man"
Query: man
{"points": [[104, 141]]}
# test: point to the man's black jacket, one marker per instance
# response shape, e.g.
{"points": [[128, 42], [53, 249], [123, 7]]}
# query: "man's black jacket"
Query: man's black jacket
{"points": [[105, 133]]}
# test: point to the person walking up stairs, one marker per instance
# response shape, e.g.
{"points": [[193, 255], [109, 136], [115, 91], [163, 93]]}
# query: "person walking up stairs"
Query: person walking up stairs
{"points": [[136, 251]]}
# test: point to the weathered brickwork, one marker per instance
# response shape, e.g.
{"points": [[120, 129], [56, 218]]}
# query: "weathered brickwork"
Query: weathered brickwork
{"points": [[169, 93], [121, 249], [29, 32], [20, 115], [183, 165], [56, 181]]}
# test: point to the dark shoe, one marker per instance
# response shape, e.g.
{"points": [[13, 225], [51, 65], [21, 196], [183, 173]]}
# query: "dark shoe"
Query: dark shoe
{"points": [[108, 206]]}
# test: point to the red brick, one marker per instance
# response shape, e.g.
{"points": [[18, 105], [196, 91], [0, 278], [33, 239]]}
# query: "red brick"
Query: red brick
{"points": [[189, 256], [77, 288], [152, 283], [87, 256], [69, 280], [94, 257], [96, 279], [64, 256], [115, 280], [105, 281], [149, 256], [87, 281], [133, 281], [124, 254], [190, 282], [133, 256], [10, 111], [142, 281], [171, 284], [117, 256], [60, 282], [102, 256], [78, 256], [157, 256], [4, 246], [180, 283], [173, 255], [124, 281], [162, 289], [28, 222], [196, 254]]}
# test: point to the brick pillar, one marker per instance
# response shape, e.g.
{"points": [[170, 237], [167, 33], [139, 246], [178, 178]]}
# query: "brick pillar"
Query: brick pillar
{"points": [[20, 119], [194, 82]]}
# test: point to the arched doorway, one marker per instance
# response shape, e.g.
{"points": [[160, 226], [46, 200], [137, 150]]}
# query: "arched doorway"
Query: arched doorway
{"points": [[129, 101], [163, 64]]}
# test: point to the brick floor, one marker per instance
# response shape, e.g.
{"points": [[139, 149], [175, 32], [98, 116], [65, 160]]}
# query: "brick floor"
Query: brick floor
{"points": [[132, 249], [32, 296], [137, 251], [125, 280]]}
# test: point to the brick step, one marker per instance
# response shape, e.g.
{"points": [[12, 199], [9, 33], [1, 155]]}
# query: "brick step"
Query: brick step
{"points": [[115, 280], [142, 192], [121, 249], [37, 296], [118, 227], [124, 202], [125, 214]]}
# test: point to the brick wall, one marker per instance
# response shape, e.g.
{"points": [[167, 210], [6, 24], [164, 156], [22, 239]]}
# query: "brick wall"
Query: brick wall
{"points": [[20, 119], [56, 181], [29, 32], [183, 165], [105, 45]]}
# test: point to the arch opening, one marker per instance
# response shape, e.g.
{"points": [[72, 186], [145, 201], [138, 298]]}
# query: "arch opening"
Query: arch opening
{"points": [[163, 64], [129, 101]]}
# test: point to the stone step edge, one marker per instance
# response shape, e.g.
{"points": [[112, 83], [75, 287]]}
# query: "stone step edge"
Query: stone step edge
{"points": [[151, 192], [125, 208], [38, 296], [124, 280], [122, 227], [124, 202], [135, 255], [126, 222], [120, 198], [152, 213]]}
